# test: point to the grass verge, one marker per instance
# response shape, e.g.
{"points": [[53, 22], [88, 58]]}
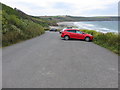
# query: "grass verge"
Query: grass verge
{"points": [[109, 40]]}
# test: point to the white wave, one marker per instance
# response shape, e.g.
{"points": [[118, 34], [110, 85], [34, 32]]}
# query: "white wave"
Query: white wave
{"points": [[104, 29], [83, 25]]}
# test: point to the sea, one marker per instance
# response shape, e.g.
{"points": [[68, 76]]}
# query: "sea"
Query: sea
{"points": [[100, 26]]}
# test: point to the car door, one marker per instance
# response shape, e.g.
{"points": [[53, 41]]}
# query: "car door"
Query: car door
{"points": [[72, 33], [79, 35]]}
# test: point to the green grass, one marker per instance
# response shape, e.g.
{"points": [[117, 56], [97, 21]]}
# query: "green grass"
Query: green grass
{"points": [[107, 40]]}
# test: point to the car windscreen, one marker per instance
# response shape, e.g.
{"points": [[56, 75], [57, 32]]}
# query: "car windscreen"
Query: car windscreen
{"points": [[79, 32]]}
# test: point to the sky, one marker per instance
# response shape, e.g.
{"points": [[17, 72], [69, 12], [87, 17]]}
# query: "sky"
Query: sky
{"points": [[65, 7]]}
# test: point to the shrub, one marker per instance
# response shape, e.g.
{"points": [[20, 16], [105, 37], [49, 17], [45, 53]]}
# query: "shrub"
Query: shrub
{"points": [[107, 40], [16, 29]]}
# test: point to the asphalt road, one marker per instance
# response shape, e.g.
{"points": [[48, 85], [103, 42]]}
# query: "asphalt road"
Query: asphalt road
{"points": [[49, 62]]}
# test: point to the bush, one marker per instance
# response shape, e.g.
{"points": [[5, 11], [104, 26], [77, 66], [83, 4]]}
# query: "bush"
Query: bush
{"points": [[107, 40], [16, 29]]}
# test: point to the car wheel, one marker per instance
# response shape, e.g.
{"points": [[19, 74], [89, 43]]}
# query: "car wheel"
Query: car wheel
{"points": [[87, 39], [66, 37]]}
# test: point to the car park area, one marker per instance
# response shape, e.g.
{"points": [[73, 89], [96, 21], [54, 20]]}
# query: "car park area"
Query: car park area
{"points": [[48, 61]]}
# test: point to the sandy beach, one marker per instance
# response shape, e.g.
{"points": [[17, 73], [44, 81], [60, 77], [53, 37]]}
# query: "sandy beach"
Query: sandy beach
{"points": [[62, 25], [66, 24]]}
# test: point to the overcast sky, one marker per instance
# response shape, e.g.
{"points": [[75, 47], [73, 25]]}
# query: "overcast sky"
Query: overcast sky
{"points": [[66, 7]]}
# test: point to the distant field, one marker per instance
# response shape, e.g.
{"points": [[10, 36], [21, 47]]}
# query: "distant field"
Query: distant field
{"points": [[73, 18]]}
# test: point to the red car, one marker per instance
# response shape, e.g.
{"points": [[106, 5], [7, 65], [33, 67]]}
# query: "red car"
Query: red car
{"points": [[76, 34]]}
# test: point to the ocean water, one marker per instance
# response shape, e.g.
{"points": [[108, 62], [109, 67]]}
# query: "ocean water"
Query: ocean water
{"points": [[100, 26]]}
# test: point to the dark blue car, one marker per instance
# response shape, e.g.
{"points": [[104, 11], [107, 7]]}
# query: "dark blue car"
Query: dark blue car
{"points": [[53, 29]]}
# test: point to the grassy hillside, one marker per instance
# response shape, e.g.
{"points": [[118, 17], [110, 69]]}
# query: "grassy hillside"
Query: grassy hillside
{"points": [[18, 26]]}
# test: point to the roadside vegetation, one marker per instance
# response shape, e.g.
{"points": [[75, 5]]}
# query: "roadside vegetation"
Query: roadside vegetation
{"points": [[18, 26], [110, 40]]}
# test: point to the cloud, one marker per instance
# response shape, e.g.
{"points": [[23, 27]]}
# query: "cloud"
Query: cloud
{"points": [[63, 7]]}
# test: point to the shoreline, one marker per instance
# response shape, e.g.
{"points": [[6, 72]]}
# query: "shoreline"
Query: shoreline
{"points": [[62, 25], [66, 24]]}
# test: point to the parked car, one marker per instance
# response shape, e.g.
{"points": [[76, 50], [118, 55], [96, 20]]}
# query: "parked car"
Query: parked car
{"points": [[53, 29], [76, 34], [65, 29]]}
